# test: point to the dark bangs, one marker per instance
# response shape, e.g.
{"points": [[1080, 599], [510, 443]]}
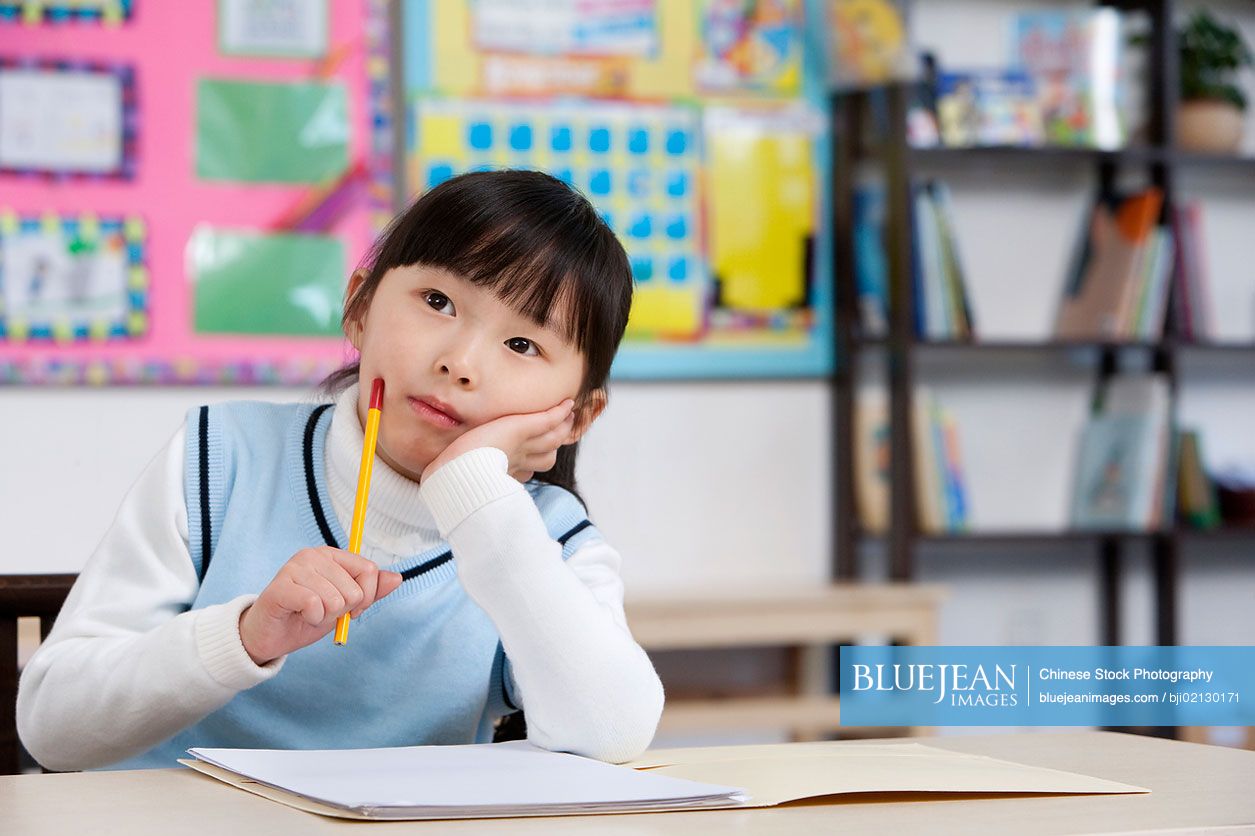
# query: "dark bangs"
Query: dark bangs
{"points": [[534, 242]]}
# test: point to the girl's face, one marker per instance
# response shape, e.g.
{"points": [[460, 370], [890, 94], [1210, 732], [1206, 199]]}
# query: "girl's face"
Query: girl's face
{"points": [[452, 356]]}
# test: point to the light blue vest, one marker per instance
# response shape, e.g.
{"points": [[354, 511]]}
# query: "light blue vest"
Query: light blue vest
{"points": [[422, 666]]}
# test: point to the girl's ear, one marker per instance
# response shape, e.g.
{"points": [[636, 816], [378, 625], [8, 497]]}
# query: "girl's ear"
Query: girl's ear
{"points": [[353, 327], [586, 412]]}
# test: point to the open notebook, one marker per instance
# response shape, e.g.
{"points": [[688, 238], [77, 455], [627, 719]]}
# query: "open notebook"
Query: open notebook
{"points": [[453, 782], [517, 779]]}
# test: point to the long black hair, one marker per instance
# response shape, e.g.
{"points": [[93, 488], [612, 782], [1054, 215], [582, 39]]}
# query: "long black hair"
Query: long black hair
{"points": [[537, 244]]}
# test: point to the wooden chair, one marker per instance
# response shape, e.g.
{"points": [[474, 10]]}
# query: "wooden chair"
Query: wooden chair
{"points": [[22, 596]]}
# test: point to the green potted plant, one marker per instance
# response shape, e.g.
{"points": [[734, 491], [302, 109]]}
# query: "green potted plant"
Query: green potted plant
{"points": [[1212, 107]]}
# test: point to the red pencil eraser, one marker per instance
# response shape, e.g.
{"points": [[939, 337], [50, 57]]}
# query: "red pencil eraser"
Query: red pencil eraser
{"points": [[376, 394]]}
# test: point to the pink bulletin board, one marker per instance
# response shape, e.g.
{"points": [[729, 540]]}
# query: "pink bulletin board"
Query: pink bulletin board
{"points": [[171, 46]]}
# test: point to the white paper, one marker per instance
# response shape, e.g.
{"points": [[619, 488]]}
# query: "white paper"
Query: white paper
{"points": [[566, 27], [60, 121], [459, 780], [273, 27]]}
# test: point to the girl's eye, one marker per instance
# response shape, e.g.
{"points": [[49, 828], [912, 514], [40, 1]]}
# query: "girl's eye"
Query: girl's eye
{"points": [[438, 301], [522, 345]]}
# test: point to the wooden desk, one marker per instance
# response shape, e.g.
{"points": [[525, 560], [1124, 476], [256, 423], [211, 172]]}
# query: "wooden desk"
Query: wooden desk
{"points": [[1192, 785]]}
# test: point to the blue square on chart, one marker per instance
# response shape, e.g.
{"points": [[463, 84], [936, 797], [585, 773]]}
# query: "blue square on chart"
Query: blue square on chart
{"points": [[479, 136], [564, 174], [560, 138], [599, 140], [677, 184], [437, 174], [521, 137], [607, 218], [638, 141], [642, 227], [599, 183], [482, 167], [678, 269], [677, 142], [643, 268], [677, 228], [638, 183]]}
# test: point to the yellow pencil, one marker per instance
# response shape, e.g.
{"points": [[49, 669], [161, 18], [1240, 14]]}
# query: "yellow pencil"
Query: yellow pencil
{"points": [[363, 488]]}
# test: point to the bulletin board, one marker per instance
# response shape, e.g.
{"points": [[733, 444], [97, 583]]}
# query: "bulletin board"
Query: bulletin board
{"points": [[186, 187], [696, 127]]}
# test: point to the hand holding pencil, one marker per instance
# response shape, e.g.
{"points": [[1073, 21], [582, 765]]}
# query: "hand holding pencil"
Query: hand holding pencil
{"points": [[317, 587]]}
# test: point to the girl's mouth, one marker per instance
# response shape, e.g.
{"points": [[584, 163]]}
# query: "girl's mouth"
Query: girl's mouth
{"points": [[434, 414]]}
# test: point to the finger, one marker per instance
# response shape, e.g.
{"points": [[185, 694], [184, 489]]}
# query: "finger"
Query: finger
{"points": [[550, 441], [294, 597], [389, 582], [541, 462], [365, 574], [554, 416], [333, 598], [346, 586]]}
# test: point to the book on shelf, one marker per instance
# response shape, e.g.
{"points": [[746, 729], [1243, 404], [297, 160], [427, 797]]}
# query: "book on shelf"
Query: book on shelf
{"points": [[988, 107], [1074, 58], [1197, 506], [872, 451], [1193, 315], [942, 310], [1121, 478], [940, 486], [871, 268], [1120, 276]]}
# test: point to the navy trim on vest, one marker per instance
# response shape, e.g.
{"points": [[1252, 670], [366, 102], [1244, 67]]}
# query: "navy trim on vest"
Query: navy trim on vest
{"points": [[440, 560], [576, 530], [422, 568], [311, 486], [206, 529]]}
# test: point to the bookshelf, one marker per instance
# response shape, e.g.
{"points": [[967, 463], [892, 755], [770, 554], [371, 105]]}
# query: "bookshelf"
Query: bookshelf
{"points": [[899, 165]]}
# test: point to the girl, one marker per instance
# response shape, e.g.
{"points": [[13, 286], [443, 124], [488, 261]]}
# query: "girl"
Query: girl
{"points": [[492, 309]]}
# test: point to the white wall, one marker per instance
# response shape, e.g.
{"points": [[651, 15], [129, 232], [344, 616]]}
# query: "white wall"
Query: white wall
{"points": [[700, 484], [727, 483]]}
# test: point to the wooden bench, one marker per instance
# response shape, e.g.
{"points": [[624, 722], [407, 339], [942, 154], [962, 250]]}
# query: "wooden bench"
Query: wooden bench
{"points": [[811, 621]]}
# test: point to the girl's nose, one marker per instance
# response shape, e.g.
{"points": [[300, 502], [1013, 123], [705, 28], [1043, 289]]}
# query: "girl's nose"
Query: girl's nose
{"points": [[461, 378]]}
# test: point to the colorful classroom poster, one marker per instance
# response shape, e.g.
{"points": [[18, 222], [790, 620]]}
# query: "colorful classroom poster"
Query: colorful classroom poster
{"points": [[762, 200], [301, 295], [751, 46], [233, 273], [36, 12], [271, 133], [707, 156], [565, 27], [637, 163], [72, 279], [273, 28], [65, 118]]}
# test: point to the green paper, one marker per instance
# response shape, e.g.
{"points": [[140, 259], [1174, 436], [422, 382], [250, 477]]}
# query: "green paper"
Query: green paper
{"points": [[271, 133], [256, 283]]}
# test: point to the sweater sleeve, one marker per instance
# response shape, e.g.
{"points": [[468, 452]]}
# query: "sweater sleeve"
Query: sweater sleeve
{"points": [[127, 664], [587, 686]]}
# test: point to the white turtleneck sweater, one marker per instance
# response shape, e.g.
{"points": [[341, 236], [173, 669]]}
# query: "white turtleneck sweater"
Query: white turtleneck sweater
{"points": [[127, 664]]}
